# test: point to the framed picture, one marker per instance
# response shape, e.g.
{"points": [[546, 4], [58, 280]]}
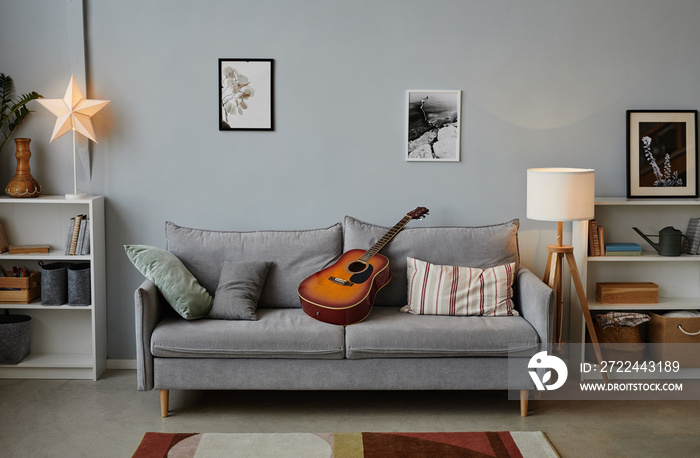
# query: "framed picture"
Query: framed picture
{"points": [[662, 153], [245, 94], [432, 125]]}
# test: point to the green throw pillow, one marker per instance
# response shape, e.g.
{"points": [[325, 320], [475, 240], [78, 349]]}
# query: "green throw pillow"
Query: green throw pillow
{"points": [[179, 287]]}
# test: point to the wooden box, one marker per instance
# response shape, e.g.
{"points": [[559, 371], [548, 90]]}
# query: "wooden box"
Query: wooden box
{"points": [[675, 339], [627, 293], [20, 290]]}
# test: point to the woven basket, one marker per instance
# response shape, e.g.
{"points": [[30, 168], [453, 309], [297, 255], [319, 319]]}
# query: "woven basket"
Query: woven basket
{"points": [[621, 343]]}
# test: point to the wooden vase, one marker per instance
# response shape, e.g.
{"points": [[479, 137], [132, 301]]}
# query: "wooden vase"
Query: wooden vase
{"points": [[23, 184]]}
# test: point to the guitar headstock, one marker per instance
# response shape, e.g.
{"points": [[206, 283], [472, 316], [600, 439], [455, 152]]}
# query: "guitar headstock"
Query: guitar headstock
{"points": [[418, 213]]}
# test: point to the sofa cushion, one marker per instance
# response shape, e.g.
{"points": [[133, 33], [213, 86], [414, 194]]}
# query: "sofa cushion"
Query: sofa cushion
{"points": [[278, 333], [388, 333], [482, 246], [239, 289], [459, 291], [179, 287], [294, 256]]}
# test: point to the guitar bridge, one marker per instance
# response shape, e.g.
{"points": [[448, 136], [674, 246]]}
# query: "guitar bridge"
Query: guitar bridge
{"points": [[340, 281]]}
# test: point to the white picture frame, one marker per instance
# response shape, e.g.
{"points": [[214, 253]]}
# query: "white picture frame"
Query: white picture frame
{"points": [[433, 120]]}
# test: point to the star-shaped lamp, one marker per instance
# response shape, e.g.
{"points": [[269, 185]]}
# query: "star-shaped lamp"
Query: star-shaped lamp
{"points": [[73, 113]]}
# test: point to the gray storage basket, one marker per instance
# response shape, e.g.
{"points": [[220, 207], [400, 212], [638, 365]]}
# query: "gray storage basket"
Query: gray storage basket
{"points": [[54, 283], [79, 284], [15, 337]]}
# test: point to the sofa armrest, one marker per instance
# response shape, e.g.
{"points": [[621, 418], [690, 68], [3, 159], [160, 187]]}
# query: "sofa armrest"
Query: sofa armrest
{"points": [[150, 306], [536, 301]]}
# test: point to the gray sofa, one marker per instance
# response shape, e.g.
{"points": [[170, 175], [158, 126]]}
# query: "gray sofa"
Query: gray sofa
{"points": [[284, 349]]}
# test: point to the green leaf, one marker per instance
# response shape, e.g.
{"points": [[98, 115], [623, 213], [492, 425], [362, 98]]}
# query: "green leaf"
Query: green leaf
{"points": [[12, 113]]}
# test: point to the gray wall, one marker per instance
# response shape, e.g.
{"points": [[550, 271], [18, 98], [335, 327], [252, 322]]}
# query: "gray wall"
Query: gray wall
{"points": [[545, 83]]}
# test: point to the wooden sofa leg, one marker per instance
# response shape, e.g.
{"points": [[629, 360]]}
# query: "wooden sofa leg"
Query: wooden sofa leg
{"points": [[164, 397], [524, 396]]}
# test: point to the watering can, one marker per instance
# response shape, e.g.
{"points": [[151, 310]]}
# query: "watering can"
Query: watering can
{"points": [[670, 241]]}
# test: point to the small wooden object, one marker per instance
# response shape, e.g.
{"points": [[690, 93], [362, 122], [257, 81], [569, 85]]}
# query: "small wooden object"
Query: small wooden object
{"points": [[627, 293], [29, 249], [20, 290]]}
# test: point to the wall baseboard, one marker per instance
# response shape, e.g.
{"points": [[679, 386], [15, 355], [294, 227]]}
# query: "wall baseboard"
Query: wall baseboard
{"points": [[121, 364]]}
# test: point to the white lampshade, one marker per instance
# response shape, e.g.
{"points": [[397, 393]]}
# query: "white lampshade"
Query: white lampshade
{"points": [[560, 194]]}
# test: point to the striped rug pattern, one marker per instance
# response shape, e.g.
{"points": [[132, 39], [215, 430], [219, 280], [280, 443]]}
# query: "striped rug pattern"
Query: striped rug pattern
{"points": [[346, 445]]}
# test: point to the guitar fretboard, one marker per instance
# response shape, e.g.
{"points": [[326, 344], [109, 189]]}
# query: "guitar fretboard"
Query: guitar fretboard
{"points": [[385, 239]]}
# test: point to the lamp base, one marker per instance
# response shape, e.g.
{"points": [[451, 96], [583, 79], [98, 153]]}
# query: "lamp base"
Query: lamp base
{"points": [[554, 266], [79, 195]]}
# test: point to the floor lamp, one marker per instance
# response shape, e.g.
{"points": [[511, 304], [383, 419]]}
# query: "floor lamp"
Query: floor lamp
{"points": [[563, 194]]}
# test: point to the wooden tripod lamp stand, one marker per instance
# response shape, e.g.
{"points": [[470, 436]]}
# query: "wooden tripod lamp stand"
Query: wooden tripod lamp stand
{"points": [[563, 194]]}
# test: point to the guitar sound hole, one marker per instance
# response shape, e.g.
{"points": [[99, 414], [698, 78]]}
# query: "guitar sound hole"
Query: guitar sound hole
{"points": [[356, 266]]}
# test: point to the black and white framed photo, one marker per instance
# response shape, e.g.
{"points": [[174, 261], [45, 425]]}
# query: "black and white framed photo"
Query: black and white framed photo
{"points": [[433, 119], [662, 153], [246, 94]]}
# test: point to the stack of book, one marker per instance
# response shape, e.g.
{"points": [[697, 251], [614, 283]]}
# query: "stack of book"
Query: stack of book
{"points": [[693, 235], [623, 249], [78, 236]]}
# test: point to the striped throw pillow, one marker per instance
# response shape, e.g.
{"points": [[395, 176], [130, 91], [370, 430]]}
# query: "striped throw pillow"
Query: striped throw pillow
{"points": [[459, 291]]}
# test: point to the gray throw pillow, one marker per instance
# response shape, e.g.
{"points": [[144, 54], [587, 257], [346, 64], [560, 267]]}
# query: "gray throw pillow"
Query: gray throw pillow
{"points": [[178, 286], [239, 289]]}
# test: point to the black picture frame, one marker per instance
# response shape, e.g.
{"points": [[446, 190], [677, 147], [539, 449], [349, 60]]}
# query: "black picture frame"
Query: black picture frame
{"points": [[662, 153], [246, 94]]}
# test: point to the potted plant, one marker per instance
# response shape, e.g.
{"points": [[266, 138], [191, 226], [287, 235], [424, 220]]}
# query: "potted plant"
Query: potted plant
{"points": [[15, 330], [12, 113]]}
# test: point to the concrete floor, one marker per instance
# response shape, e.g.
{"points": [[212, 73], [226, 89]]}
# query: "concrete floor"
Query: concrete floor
{"points": [[107, 418]]}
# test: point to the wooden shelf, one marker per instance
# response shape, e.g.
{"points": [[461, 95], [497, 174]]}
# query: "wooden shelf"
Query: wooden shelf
{"points": [[52, 255], [683, 374], [55, 360], [645, 202], [665, 303], [678, 277], [49, 199], [36, 305], [646, 256], [67, 342]]}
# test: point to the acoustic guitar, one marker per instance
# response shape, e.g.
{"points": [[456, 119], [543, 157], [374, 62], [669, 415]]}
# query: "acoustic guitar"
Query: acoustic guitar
{"points": [[344, 292]]}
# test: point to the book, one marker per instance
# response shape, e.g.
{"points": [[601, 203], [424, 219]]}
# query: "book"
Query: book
{"points": [[28, 249], [69, 235], [3, 241], [86, 244], [623, 253], [617, 246], [75, 235], [593, 238], [693, 234], [81, 236]]}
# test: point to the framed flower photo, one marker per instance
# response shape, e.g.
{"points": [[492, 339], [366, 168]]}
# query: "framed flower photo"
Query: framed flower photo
{"points": [[433, 119], [662, 153], [246, 94]]}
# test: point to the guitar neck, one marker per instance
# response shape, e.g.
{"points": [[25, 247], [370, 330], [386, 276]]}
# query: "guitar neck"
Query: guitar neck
{"points": [[385, 239]]}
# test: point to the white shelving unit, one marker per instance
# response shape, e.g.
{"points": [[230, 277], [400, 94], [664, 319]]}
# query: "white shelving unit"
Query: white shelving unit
{"points": [[68, 342], [678, 277]]}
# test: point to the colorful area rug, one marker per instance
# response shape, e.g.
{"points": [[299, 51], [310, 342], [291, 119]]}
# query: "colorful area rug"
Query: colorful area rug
{"points": [[346, 445]]}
